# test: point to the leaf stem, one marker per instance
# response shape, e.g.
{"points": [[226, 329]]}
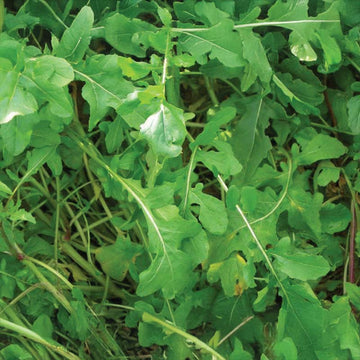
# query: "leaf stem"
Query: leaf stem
{"points": [[53, 13], [153, 319], [259, 24], [31, 335]]}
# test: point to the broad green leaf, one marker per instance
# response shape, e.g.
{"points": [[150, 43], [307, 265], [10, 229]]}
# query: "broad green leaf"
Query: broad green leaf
{"points": [[49, 85], [43, 326], [208, 13], [43, 135], [353, 292], [4, 188], [221, 117], [128, 36], [114, 134], [50, 69], [302, 96], [353, 107], [334, 218], [343, 323], [218, 41], [235, 273], [115, 259], [296, 320], [286, 349], [76, 38], [249, 142], [301, 48], [78, 323], [249, 198], [254, 53], [222, 161], [304, 209], [16, 135], [104, 87], [332, 53], [22, 215], [197, 248], [135, 70], [15, 352], [165, 131], [302, 266], [15, 100], [321, 147], [170, 273], [239, 352], [172, 227], [212, 210], [327, 173]]}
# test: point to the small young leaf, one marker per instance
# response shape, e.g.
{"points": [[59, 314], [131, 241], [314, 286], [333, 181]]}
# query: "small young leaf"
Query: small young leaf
{"points": [[165, 130], [212, 210]]}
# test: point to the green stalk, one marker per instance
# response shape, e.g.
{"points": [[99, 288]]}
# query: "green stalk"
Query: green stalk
{"points": [[70, 251], [2, 14], [50, 287], [200, 344], [31, 335]]}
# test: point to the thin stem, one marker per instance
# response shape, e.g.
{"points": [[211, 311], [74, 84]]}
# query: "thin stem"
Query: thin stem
{"points": [[352, 244], [57, 223], [153, 319], [53, 13], [31, 335], [233, 331], [258, 24]]}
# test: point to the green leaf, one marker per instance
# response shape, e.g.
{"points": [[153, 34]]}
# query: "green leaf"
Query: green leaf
{"points": [[222, 161], [16, 135], [43, 326], [302, 266], [128, 36], [76, 38], [334, 218], [327, 173], [50, 69], [304, 209], [170, 273], [332, 52], [104, 87], [301, 48], [115, 259], [218, 41], [4, 188], [302, 96], [165, 131], [286, 349], [15, 100], [353, 107], [15, 352], [321, 147], [255, 54], [296, 320], [239, 352], [221, 117], [212, 211], [353, 292], [343, 323], [235, 273], [114, 134]]}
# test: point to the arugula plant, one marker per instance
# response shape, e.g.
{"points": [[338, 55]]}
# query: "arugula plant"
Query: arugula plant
{"points": [[179, 179]]}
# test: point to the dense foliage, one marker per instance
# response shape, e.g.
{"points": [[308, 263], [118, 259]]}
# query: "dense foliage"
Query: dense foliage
{"points": [[179, 179]]}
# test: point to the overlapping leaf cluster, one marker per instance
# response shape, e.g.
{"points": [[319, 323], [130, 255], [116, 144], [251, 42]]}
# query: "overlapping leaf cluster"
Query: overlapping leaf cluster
{"points": [[180, 179]]}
